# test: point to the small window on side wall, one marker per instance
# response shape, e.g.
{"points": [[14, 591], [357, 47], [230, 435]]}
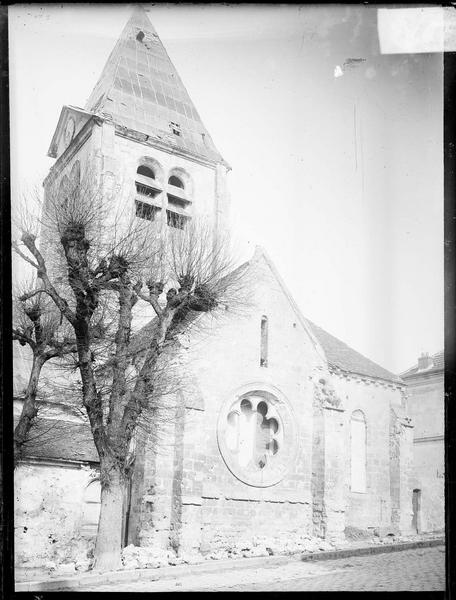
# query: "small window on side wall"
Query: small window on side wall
{"points": [[264, 342], [358, 452], [75, 175], [175, 128]]}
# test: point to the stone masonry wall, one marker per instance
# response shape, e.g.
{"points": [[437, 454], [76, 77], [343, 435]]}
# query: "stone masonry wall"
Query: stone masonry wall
{"points": [[226, 361], [49, 514], [201, 504], [371, 509], [328, 461]]}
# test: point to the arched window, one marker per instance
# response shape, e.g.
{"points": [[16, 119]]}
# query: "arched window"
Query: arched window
{"points": [[147, 187], [358, 453], [173, 180], [264, 342], [64, 192], [91, 508], [146, 171], [178, 210], [75, 175]]}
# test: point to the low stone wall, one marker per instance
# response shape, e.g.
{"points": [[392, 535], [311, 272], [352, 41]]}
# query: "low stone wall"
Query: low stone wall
{"points": [[48, 519]]}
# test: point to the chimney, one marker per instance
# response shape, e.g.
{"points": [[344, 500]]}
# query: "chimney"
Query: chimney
{"points": [[424, 361]]}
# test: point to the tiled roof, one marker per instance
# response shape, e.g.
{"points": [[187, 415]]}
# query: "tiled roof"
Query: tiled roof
{"points": [[64, 440], [438, 360], [345, 358], [141, 90]]}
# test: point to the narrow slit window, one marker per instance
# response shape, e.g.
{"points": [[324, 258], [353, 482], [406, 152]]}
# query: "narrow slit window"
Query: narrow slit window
{"points": [[264, 342]]}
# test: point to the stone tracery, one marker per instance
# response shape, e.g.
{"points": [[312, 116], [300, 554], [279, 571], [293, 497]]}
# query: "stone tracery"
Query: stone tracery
{"points": [[252, 433]]}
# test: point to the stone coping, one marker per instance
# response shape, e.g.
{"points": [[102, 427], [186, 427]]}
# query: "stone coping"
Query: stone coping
{"points": [[172, 572]]}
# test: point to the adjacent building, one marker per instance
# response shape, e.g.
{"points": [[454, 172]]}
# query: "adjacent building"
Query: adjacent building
{"points": [[426, 405]]}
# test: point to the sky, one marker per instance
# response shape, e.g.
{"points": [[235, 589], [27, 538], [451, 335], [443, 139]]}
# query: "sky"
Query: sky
{"points": [[337, 170]]}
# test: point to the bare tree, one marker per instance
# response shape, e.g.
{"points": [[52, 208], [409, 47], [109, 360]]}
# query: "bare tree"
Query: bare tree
{"points": [[38, 326], [179, 274]]}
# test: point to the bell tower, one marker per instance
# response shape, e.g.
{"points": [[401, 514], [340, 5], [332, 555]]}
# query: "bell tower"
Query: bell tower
{"points": [[143, 137]]}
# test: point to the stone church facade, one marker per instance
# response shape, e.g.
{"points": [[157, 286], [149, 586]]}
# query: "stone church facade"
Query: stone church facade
{"points": [[283, 431]]}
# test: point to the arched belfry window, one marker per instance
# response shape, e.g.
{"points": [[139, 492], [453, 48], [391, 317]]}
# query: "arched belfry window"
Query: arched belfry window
{"points": [[178, 210], [264, 342], [176, 181], [358, 452], [146, 171], [148, 204]]}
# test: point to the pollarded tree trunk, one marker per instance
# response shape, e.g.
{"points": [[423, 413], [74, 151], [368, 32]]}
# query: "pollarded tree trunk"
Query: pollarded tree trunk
{"points": [[109, 537], [29, 409]]}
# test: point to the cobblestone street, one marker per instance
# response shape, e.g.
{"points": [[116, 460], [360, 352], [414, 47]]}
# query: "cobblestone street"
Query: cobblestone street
{"points": [[420, 569]]}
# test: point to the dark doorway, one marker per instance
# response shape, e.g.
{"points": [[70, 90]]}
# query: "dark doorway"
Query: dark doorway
{"points": [[416, 505], [126, 513]]}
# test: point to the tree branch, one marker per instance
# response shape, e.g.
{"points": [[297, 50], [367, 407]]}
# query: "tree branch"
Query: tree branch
{"points": [[152, 301], [23, 256], [21, 337], [61, 303], [60, 350], [32, 293]]}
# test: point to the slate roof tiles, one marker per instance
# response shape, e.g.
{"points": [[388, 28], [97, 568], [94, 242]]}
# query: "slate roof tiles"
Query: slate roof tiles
{"points": [[140, 89], [346, 359], [61, 440]]}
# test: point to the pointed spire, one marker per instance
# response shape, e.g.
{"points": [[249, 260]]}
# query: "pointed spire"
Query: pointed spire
{"points": [[141, 90]]}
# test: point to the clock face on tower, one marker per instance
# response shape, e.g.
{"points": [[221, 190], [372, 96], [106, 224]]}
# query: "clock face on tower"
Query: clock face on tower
{"points": [[69, 132]]}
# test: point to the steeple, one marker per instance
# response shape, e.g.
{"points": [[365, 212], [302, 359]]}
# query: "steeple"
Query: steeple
{"points": [[141, 90]]}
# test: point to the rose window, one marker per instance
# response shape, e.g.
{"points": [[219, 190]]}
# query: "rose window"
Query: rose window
{"points": [[253, 433], [252, 436]]}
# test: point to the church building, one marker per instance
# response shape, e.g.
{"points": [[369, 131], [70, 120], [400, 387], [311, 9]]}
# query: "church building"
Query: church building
{"points": [[283, 433]]}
